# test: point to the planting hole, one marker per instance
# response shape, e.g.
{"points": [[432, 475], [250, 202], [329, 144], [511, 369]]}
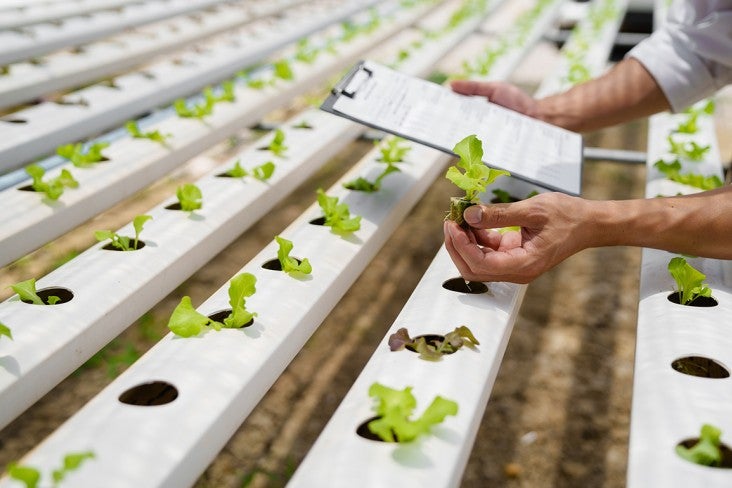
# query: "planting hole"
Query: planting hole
{"points": [[433, 340], [15, 121], [318, 221], [150, 394], [64, 295], [701, 367], [223, 314], [303, 125], [363, 431], [174, 206], [459, 285], [697, 302], [275, 265], [726, 453], [140, 245]]}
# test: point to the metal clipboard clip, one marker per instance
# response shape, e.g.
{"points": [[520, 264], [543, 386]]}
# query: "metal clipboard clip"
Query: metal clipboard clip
{"points": [[354, 79]]}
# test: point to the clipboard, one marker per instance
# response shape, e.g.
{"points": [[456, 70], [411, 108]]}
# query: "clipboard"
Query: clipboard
{"points": [[430, 114]]}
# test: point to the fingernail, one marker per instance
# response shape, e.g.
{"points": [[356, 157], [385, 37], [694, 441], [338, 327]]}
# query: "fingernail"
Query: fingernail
{"points": [[473, 215]]}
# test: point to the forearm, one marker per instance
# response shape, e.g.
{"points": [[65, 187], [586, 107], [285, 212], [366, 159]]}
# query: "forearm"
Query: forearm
{"points": [[624, 93], [699, 224]]}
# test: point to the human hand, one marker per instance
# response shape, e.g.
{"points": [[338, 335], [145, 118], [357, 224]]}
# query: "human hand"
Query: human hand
{"points": [[498, 92], [553, 227]]}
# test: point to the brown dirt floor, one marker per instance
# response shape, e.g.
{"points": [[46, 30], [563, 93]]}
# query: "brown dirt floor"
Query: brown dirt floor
{"points": [[559, 411]]}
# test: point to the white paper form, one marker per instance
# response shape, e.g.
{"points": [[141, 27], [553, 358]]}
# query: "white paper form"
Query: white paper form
{"points": [[436, 116]]}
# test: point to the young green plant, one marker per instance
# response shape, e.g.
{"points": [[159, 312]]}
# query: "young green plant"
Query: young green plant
{"points": [[263, 172], [80, 158], [392, 152], [687, 150], [5, 331], [186, 321], [196, 111], [53, 188], [31, 477], [123, 242], [394, 409], [474, 178], [337, 215], [690, 281], [152, 135], [189, 197], [707, 450], [292, 266], [277, 144], [26, 291], [433, 350], [672, 171]]}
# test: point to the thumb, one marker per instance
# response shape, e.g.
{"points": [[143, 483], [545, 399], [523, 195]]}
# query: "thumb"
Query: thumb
{"points": [[497, 215], [470, 87]]}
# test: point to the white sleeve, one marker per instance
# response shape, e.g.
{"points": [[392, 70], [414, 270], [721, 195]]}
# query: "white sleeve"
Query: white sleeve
{"points": [[690, 57]]}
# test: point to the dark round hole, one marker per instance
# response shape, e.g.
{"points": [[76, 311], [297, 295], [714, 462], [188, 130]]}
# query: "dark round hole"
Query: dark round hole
{"points": [[701, 367], [224, 175], [726, 453], [64, 295], [26, 188], [461, 286], [140, 245], [433, 340], [150, 394], [363, 431], [675, 297], [318, 221], [511, 199], [223, 314], [303, 125], [273, 264], [15, 121], [174, 206]]}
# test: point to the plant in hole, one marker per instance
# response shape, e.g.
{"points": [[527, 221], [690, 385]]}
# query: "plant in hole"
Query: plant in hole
{"points": [[690, 281], [706, 451], [687, 150], [283, 70], [75, 153], [53, 188], [5, 331], [688, 126], [197, 111], [672, 171], [578, 73], [303, 124], [31, 477], [153, 135], [306, 52], [263, 172], [394, 410], [433, 350], [392, 152], [26, 291], [474, 178], [277, 145], [290, 265], [187, 322], [337, 215], [190, 197], [706, 109], [123, 242]]}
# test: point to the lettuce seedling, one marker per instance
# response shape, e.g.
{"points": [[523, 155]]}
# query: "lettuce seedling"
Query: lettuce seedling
{"points": [[394, 150], [282, 70], [672, 172], [123, 242], [277, 145], [196, 111], [26, 291], [186, 321], [337, 215], [263, 172], [502, 196], [153, 135], [690, 281], [689, 126], [75, 153], [362, 184], [241, 287], [31, 476], [578, 73], [707, 450], [5, 331], [189, 197], [706, 109], [474, 179], [54, 187], [394, 409], [290, 265], [434, 349], [306, 52], [687, 150]]}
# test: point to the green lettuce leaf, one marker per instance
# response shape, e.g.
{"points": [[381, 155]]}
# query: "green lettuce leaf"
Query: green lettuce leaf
{"points": [[690, 281], [26, 290], [706, 452], [241, 287], [289, 264], [186, 321]]}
